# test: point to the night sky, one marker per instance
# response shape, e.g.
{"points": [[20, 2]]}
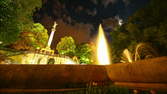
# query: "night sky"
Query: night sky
{"points": [[80, 18]]}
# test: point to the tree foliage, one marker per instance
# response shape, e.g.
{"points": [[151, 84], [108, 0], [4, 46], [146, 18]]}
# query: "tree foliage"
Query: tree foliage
{"points": [[37, 37], [9, 29], [147, 25], [120, 41], [16, 16], [40, 34], [66, 46], [83, 52]]}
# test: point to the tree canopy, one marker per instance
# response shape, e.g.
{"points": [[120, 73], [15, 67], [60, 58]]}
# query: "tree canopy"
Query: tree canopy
{"points": [[37, 37], [66, 46], [83, 52], [15, 17], [147, 25]]}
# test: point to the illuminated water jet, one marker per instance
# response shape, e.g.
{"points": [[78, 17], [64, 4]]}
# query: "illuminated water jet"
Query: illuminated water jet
{"points": [[127, 56], [102, 48]]}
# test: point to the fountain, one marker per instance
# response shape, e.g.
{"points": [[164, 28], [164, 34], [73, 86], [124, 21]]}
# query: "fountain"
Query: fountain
{"points": [[143, 75], [102, 48], [126, 56]]}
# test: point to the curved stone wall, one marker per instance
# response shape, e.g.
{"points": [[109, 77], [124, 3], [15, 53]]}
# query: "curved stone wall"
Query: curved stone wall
{"points": [[144, 71]]}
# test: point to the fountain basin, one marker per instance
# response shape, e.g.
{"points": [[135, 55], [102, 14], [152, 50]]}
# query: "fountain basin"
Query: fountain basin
{"points": [[145, 71], [51, 76], [146, 74]]}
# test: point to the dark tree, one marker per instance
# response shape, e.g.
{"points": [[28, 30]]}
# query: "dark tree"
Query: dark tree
{"points": [[147, 25], [15, 17]]}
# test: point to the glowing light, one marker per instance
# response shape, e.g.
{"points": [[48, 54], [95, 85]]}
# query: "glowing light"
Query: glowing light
{"points": [[102, 48], [70, 62], [120, 22], [128, 55]]}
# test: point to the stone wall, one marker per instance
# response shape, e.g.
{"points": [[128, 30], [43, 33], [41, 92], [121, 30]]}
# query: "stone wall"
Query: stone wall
{"points": [[37, 58], [51, 76]]}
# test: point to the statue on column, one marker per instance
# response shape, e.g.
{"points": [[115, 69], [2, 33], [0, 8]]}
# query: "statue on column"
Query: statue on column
{"points": [[48, 49]]}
